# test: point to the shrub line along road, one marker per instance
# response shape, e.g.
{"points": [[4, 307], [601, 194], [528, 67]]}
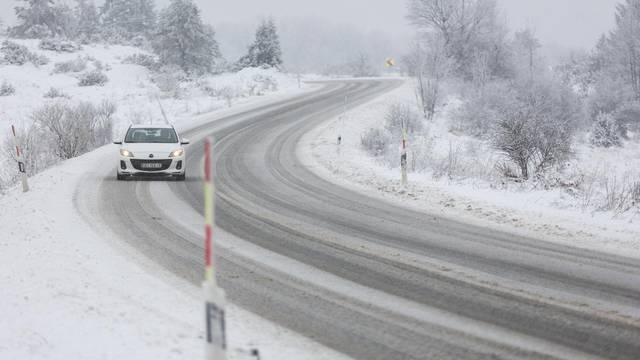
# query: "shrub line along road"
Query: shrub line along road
{"points": [[398, 284]]}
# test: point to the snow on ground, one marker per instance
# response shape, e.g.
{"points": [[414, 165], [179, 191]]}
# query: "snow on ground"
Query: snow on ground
{"points": [[130, 87], [471, 193], [68, 292]]}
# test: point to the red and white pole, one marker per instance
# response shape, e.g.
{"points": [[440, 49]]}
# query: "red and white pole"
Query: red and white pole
{"points": [[19, 156], [403, 156], [216, 340]]}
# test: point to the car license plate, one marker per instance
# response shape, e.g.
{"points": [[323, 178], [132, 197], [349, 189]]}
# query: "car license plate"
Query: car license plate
{"points": [[151, 165]]}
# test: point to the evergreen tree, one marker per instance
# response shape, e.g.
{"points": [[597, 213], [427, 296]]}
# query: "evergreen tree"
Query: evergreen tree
{"points": [[183, 40], [265, 50], [124, 20], [605, 131], [88, 21], [41, 18]]}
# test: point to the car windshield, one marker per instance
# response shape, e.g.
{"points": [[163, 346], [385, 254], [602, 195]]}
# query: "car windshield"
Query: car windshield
{"points": [[151, 135]]}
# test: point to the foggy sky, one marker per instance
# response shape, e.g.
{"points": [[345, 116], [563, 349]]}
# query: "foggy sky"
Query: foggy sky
{"points": [[571, 23]]}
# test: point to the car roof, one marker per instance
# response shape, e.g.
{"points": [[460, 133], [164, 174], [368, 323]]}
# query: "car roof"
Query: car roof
{"points": [[153, 126]]}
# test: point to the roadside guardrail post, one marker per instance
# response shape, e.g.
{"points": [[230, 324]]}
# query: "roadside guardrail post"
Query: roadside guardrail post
{"points": [[215, 300]]}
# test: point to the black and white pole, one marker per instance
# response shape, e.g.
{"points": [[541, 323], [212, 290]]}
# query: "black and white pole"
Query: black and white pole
{"points": [[21, 166], [215, 300], [403, 157]]}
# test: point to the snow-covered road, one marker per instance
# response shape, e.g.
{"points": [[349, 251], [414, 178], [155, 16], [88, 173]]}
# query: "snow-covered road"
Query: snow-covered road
{"points": [[359, 275]]}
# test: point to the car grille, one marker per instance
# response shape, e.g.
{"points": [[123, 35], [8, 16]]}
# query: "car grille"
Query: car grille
{"points": [[151, 165]]}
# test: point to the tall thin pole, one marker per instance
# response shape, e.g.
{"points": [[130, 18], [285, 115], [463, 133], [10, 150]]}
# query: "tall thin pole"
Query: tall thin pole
{"points": [[209, 208], [20, 157], [215, 299], [403, 156]]}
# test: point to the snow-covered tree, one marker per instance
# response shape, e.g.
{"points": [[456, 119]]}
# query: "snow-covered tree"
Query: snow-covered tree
{"points": [[361, 66], [183, 40], [265, 50], [535, 124], [605, 132], [87, 20], [429, 64], [467, 28], [41, 18], [527, 45], [625, 43], [124, 20]]}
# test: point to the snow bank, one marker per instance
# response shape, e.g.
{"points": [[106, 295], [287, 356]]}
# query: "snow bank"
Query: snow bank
{"points": [[470, 192]]}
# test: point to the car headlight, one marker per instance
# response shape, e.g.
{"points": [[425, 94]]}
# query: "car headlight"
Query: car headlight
{"points": [[126, 153], [176, 153]]}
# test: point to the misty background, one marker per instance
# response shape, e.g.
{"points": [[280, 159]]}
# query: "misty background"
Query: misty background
{"points": [[316, 35]]}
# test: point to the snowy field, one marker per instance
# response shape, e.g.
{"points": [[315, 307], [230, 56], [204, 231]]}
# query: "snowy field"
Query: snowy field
{"points": [[133, 88], [453, 175]]}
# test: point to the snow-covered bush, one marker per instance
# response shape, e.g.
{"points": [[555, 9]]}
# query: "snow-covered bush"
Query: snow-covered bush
{"points": [[16, 54], [39, 59], [53, 93], [59, 45], [420, 153], [450, 165], [536, 130], [74, 130], [479, 112], [605, 131], [375, 141], [93, 78], [531, 123], [262, 83], [228, 93], [97, 64], [77, 65], [627, 116], [402, 116], [36, 153], [620, 195], [145, 60], [168, 80], [7, 89]]}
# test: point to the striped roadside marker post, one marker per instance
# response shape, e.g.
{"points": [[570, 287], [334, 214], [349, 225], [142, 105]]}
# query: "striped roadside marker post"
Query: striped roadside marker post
{"points": [[403, 157], [216, 339], [19, 156]]}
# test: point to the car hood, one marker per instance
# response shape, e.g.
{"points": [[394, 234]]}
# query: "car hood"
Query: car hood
{"points": [[143, 150]]}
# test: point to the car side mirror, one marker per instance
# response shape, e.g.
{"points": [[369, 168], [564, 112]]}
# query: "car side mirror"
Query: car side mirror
{"points": [[117, 142], [184, 142]]}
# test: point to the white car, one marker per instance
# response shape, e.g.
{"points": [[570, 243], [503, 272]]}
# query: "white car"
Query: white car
{"points": [[152, 150]]}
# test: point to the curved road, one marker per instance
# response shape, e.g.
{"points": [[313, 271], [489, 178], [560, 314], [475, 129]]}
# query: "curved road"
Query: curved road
{"points": [[369, 279]]}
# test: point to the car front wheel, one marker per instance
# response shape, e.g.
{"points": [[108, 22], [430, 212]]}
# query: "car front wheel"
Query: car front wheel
{"points": [[181, 177], [120, 177]]}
